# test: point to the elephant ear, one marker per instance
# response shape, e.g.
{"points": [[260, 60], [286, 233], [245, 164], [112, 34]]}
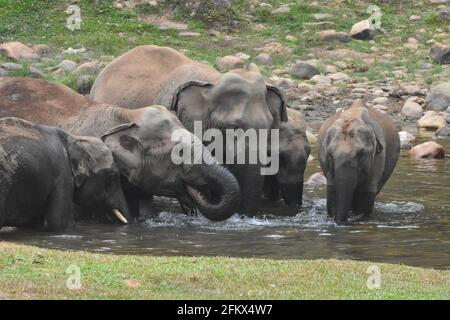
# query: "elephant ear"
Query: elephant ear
{"points": [[80, 159], [277, 103], [128, 151], [191, 94], [377, 129], [120, 127]]}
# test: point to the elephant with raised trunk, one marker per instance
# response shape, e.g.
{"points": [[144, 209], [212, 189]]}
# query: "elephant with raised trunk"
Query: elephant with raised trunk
{"points": [[293, 153], [141, 143], [239, 99], [44, 170], [358, 150]]}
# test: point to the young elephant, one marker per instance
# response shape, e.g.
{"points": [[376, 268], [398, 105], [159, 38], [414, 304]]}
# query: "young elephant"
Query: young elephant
{"points": [[294, 152], [44, 170], [358, 150]]}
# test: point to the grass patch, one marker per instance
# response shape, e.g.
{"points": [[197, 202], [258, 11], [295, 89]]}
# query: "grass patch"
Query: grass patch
{"points": [[33, 273]]}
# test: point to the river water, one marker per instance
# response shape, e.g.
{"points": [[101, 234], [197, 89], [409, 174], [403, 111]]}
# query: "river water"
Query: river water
{"points": [[410, 225]]}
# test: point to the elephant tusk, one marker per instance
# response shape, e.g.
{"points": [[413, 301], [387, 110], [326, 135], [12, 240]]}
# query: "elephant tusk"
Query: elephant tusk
{"points": [[119, 216]]}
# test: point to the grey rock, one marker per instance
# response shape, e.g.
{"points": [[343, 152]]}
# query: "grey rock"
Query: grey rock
{"points": [[412, 110], [280, 10], [316, 179], [36, 73], [407, 140], [228, 63], [332, 35], [443, 132], [188, 34], [170, 25], [68, 65], [92, 67], [438, 98], [302, 70], [3, 72], [440, 53], [59, 73], [362, 31], [42, 50], [11, 66], [444, 13], [263, 58], [84, 84]]}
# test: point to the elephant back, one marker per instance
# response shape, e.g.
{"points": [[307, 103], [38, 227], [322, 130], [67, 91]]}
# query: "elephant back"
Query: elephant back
{"points": [[40, 101]]}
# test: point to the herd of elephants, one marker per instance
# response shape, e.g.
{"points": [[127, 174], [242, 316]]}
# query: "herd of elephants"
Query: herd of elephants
{"points": [[64, 155]]}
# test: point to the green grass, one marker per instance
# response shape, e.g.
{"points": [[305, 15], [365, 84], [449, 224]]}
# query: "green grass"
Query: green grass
{"points": [[34, 273]]}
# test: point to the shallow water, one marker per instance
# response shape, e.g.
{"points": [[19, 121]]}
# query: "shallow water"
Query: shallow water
{"points": [[411, 225]]}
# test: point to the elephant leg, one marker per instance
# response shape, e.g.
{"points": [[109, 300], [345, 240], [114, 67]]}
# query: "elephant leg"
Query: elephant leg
{"points": [[363, 203], [251, 183], [59, 210], [133, 201], [271, 188], [36, 223], [331, 201]]}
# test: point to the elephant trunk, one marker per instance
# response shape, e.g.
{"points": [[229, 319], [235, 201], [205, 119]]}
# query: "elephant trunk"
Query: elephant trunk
{"points": [[251, 184], [292, 193], [345, 182], [224, 197]]}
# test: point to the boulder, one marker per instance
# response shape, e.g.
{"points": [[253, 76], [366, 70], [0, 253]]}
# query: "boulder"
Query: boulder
{"points": [[228, 63], [303, 70], [406, 139], [443, 132], [321, 80], [3, 72], [432, 121], [332, 35], [281, 10], [444, 13], [427, 150], [438, 98], [17, 51], [91, 67], [9, 66], [339, 76], [84, 84], [42, 50], [316, 179], [362, 30], [412, 110], [68, 65], [58, 73], [263, 58], [440, 53], [35, 73]]}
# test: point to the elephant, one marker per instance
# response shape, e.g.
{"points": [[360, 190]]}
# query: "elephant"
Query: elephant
{"points": [[358, 149], [238, 99], [142, 144], [44, 171], [294, 152]]}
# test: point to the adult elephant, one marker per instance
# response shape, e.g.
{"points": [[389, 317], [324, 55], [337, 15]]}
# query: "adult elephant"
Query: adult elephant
{"points": [[239, 99], [293, 153], [358, 150], [141, 142]]}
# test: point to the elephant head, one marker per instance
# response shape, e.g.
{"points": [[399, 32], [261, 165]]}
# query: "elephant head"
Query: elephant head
{"points": [[294, 150], [144, 149], [351, 153], [239, 99], [96, 177]]}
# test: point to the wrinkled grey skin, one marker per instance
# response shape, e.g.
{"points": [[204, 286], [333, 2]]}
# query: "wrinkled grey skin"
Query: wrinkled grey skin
{"points": [[44, 170], [358, 150], [294, 152], [141, 142], [196, 92]]}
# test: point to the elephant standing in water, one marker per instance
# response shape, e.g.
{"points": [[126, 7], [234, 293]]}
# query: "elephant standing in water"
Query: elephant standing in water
{"points": [[358, 150], [239, 99], [294, 152], [140, 140], [43, 169]]}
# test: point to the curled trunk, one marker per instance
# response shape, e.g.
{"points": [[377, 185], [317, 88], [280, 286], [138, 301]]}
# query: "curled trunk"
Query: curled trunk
{"points": [[224, 198]]}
